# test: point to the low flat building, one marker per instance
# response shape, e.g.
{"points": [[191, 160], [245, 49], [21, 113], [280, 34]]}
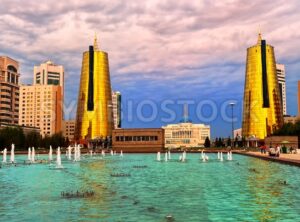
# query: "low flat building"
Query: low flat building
{"points": [[288, 141], [144, 140], [26, 129], [291, 119], [185, 135]]}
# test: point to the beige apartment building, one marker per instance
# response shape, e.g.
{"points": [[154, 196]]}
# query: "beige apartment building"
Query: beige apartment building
{"points": [[68, 129], [9, 90], [41, 106], [186, 135]]}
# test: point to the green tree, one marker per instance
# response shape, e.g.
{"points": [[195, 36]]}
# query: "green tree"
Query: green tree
{"points": [[207, 142], [229, 141], [33, 139]]}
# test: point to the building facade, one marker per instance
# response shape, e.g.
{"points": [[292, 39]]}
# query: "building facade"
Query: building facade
{"points": [[41, 106], [138, 140], [9, 90], [94, 107], [116, 106], [291, 119], [185, 134], [68, 129], [280, 70], [262, 113], [49, 73]]}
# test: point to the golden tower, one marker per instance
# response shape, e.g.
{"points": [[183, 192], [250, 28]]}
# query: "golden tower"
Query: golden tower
{"points": [[262, 112], [94, 106]]}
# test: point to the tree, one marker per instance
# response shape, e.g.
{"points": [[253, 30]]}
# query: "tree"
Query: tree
{"points": [[207, 142], [229, 141]]}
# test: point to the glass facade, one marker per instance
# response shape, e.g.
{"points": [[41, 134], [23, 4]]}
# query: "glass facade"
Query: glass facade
{"points": [[262, 112], [94, 107]]}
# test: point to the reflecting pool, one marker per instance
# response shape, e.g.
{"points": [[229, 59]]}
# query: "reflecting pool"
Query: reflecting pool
{"points": [[138, 188]]}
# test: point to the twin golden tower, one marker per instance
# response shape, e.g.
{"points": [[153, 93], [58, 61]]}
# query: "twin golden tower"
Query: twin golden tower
{"points": [[262, 111], [94, 106]]}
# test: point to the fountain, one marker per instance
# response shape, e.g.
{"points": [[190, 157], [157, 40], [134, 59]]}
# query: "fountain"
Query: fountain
{"points": [[91, 152], [4, 155], [69, 152], [32, 155], [102, 153], [29, 155], [121, 153], [221, 156], [158, 156], [58, 159], [169, 154], [183, 156], [166, 157], [50, 154], [111, 152], [12, 153]]}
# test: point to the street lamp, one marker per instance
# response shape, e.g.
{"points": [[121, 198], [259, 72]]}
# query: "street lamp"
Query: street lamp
{"points": [[232, 128]]}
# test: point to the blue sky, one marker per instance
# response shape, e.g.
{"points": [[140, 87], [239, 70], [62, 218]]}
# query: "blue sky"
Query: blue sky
{"points": [[160, 52]]}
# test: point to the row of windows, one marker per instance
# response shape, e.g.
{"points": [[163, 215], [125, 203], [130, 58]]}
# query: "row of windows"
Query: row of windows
{"points": [[136, 138]]}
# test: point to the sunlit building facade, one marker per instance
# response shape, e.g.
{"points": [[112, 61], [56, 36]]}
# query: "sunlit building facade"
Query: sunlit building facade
{"points": [[185, 134], [9, 90], [68, 129], [116, 105], [94, 107], [41, 106], [262, 110], [280, 70]]}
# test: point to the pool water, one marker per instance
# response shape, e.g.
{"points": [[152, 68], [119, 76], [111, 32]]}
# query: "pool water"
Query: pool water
{"points": [[245, 189]]}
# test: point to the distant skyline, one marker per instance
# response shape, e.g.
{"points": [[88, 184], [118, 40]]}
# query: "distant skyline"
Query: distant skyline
{"points": [[158, 50]]}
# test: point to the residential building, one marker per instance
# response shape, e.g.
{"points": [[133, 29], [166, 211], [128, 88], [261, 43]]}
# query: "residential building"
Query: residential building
{"points": [[9, 90], [41, 106], [280, 70], [116, 106], [68, 129]]}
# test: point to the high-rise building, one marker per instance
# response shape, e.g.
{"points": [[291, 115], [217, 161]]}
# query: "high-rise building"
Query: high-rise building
{"points": [[49, 73], [41, 106], [116, 105], [68, 129], [94, 107], [9, 90], [262, 113], [280, 70]]}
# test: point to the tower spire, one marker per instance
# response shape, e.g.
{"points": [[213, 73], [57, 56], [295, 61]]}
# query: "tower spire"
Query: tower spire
{"points": [[95, 43], [259, 36]]}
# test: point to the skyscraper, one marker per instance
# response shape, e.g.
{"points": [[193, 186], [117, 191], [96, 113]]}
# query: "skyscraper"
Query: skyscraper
{"points": [[262, 112], [94, 106], [9, 90], [41, 104], [280, 70], [116, 104]]}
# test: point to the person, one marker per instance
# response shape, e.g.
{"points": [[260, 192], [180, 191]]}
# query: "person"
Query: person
{"points": [[278, 150]]}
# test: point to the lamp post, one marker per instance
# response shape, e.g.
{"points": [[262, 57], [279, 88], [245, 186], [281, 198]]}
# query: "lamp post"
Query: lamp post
{"points": [[232, 127]]}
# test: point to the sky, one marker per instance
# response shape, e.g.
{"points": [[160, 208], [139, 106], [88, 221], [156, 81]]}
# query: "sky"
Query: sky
{"points": [[162, 54]]}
